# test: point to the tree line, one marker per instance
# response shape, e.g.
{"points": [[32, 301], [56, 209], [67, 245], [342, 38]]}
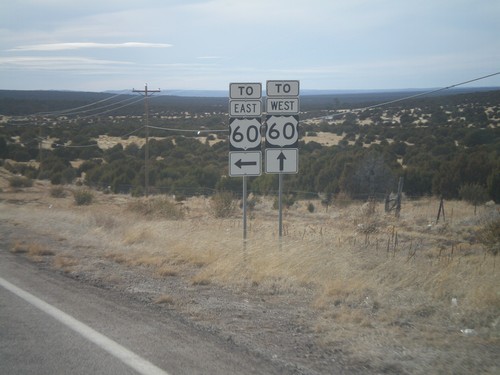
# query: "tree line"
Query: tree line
{"points": [[439, 145]]}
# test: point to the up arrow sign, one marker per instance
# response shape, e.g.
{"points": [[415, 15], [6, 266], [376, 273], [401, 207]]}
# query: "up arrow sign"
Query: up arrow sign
{"points": [[282, 158]]}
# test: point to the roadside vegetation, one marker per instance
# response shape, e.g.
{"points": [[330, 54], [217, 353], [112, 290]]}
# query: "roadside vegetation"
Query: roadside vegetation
{"points": [[416, 292], [442, 146], [371, 284]]}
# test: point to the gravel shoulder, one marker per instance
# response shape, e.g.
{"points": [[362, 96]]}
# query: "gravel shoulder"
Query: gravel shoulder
{"points": [[284, 326], [274, 326]]}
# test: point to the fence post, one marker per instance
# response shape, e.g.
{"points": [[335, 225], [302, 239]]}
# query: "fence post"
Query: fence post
{"points": [[441, 209], [398, 199]]}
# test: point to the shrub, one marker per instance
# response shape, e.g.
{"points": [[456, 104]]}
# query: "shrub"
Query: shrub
{"points": [[157, 208], [222, 204], [57, 192], [474, 194], [287, 201], [83, 197], [20, 182], [489, 236]]}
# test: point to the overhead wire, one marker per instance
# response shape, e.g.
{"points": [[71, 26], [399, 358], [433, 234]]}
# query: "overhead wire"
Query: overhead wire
{"points": [[91, 145], [64, 111], [199, 131], [416, 95], [132, 101]]}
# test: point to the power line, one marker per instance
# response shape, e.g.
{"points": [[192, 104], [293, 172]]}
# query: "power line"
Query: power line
{"points": [[91, 145], [433, 91], [416, 95], [57, 113], [199, 131], [113, 109], [131, 100]]}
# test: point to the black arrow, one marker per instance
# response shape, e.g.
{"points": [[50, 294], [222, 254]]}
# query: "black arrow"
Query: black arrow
{"points": [[241, 163], [282, 158]]}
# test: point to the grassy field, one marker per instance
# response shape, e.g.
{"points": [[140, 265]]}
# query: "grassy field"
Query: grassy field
{"points": [[405, 295]]}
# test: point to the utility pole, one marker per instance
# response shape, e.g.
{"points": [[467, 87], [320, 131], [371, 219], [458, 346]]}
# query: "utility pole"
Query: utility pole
{"points": [[146, 93]]}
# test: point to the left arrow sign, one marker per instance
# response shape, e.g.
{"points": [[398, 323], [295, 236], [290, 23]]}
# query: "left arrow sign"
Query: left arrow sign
{"points": [[245, 163], [240, 163]]}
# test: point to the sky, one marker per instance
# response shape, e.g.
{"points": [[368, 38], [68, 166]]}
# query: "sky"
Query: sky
{"points": [[99, 45]]}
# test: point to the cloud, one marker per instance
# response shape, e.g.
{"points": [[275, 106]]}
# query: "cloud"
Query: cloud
{"points": [[56, 63], [74, 46], [209, 57]]}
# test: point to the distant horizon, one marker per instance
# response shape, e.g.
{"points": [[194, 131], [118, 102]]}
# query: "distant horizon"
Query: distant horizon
{"points": [[222, 93]]}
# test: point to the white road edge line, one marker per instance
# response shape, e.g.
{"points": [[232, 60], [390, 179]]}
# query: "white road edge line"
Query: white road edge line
{"points": [[128, 357]]}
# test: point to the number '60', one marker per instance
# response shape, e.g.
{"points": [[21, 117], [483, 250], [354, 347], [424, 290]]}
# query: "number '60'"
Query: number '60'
{"points": [[288, 131], [252, 134]]}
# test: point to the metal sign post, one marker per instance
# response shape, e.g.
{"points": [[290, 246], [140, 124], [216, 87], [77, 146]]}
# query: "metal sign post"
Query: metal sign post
{"points": [[245, 155], [282, 134], [280, 205], [244, 208]]}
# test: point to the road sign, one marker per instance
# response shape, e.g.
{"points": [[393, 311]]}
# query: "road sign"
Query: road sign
{"points": [[244, 134], [245, 108], [282, 106], [282, 160], [282, 131], [245, 90], [245, 163], [282, 88]]}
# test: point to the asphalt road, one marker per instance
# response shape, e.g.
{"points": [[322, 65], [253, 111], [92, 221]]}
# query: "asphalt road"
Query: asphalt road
{"points": [[51, 324]]}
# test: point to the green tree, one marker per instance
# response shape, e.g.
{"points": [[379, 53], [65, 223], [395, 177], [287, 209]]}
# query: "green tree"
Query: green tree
{"points": [[493, 184], [4, 152], [475, 194], [371, 175]]}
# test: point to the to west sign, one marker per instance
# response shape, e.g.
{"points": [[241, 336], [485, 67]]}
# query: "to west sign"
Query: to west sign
{"points": [[282, 88], [282, 106]]}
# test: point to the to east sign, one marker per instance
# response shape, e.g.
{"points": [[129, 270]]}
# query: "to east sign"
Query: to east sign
{"points": [[245, 90], [245, 108], [282, 88]]}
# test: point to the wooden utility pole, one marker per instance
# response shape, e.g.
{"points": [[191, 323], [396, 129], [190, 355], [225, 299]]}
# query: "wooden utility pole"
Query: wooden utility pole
{"points": [[146, 93]]}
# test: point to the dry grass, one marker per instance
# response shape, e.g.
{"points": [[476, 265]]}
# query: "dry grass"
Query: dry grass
{"points": [[64, 262], [165, 300], [156, 208], [32, 249], [18, 248], [373, 281]]}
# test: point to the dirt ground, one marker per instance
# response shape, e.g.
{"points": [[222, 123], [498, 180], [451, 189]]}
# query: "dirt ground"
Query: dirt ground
{"points": [[280, 324]]}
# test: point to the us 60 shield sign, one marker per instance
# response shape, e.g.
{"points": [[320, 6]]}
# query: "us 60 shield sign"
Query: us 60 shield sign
{"points": [[244, 134], [282, 131]]}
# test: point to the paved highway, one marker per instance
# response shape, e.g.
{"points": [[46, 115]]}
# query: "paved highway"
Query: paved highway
{"points": [[50, 324]]}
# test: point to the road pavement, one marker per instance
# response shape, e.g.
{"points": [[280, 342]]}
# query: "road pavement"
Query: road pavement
{"points": [[52, 324]]}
